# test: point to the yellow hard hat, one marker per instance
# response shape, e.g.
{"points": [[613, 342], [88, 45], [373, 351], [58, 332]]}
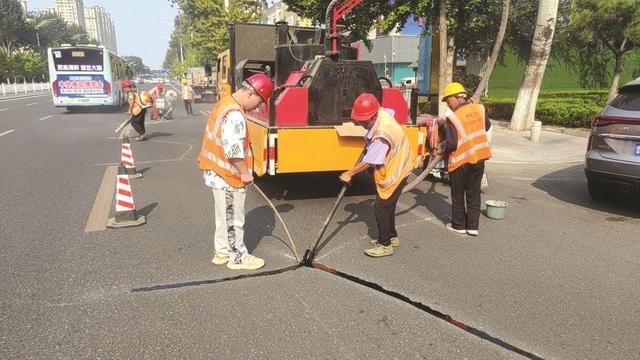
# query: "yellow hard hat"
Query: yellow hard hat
{"points": [[184, 81], [454, 88]]}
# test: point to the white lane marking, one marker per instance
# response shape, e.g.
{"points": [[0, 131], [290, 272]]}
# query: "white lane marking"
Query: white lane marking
{"points": [[46, 117], [7, 132], [203, 113], [4, 109], [31, 104], [25, 97]]}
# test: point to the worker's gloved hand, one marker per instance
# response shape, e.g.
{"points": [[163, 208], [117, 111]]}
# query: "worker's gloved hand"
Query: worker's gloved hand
{"points": [[345, 177], [246, 178]]}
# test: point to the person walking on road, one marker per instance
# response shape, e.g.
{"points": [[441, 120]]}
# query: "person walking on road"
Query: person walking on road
{"points": [[468, 147], [389, 153], [139, 101], [187, 96], [227, 162]]}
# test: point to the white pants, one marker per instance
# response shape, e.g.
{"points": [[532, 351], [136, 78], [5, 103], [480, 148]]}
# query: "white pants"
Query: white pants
{"points": [[229, 216]]}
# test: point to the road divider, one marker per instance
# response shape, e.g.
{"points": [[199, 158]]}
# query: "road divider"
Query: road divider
{"points": [[126, 215]]}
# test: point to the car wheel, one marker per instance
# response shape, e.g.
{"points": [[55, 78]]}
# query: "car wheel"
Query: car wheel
{"points": [[600, 190]]}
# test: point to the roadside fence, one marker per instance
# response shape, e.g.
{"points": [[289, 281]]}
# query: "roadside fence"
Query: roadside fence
{"points": [[24, 88]]}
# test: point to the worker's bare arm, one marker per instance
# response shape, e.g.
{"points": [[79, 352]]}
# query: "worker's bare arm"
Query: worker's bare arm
{"points": [[347, 175], [245, 174]]}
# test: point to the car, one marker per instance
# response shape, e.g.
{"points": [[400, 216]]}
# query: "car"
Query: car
{"points": [[612, 161]]}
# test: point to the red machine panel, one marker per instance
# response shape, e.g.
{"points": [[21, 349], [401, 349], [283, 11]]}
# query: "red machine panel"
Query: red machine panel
{"points": [[392, 99], [292, 107]]}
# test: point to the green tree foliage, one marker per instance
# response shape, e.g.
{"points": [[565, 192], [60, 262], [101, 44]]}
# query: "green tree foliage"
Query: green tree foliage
{"points": [[202, 29], [136, 64], [604, 30], [12, 25]]}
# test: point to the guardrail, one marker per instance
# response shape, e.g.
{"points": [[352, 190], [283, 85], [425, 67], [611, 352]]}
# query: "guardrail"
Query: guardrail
{"points": [[24, 88]]}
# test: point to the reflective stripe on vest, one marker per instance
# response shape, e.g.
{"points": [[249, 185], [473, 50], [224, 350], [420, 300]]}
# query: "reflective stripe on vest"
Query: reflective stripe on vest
{"points": [[397, 163], [473, 145], [212, 156]]}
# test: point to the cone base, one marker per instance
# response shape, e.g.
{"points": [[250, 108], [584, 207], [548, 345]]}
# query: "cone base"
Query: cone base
{"points": [[112, 223]]}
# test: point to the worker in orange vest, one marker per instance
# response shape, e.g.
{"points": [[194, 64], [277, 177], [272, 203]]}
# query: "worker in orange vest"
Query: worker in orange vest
{"points": [[389, 154], [139, 101], [156, 92], [466, 141], [187, 96], [227, 162]]}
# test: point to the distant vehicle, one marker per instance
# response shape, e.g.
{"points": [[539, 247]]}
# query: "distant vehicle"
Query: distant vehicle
{"points": [[203, 85], [86, 75], [612, 162]]}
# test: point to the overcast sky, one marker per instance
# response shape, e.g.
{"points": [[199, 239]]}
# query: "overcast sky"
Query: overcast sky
{"points": [[143, 27]]}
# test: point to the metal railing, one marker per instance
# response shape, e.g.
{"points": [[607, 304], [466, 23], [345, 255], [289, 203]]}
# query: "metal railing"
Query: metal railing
{"points": [[24, 88]]}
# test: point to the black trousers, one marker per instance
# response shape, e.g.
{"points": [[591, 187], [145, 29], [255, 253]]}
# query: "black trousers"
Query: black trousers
{"points": [[137, 121], [187, 107], [465, 189], [385, 213]]}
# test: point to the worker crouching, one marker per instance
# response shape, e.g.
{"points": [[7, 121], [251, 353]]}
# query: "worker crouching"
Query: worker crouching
{"points": [[466, 141], [389, 153], [227, 162]]}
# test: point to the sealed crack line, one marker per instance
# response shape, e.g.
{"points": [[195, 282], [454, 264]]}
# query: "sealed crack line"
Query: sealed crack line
{"points": [[212, 281], [470, 329]]}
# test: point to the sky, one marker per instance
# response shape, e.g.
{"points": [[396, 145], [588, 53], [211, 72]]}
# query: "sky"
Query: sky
{"points": [[151, 20]]}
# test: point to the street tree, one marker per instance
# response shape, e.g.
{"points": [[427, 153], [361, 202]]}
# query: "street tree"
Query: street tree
{"points": [[524, 111], [136, 64], [610, 25], [12, 25]]}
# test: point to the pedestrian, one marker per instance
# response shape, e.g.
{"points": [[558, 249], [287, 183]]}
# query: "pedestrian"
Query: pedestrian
{"points": [[227, 162], [187, 96], [156, 93], [139, 101], [468, 147], [389, 154]]}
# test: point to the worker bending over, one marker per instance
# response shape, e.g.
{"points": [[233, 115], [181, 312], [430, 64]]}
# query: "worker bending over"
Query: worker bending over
{"points": [[139, 101], [388, 152], [468, 147], [227, 162]]}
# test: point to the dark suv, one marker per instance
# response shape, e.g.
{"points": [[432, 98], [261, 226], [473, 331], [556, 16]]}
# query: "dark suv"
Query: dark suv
{"points": [[612, 162]]}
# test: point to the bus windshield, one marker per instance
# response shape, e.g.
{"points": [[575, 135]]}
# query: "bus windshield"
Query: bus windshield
{"points": [[78, 60]]}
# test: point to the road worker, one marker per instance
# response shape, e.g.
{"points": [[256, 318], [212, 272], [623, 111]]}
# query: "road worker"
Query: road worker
{"points": [[156, 93], [227, 162], [139, 101], [187, 96], [468, 147], [389, 154]]}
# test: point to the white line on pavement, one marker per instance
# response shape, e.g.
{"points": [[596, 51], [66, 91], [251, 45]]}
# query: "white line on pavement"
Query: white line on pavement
{"points": [[7, 132], [25, 97], [31, 104], [46, 117], [4, 109], [203, 113]]}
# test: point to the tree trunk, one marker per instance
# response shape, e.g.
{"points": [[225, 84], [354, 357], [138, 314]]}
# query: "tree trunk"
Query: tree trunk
{"points": [[525, 108], [442, 62], [613, 89], [491, 63]]}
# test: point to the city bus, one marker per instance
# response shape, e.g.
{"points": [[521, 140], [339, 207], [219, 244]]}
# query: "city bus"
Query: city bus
{"points": [[86, 76]]}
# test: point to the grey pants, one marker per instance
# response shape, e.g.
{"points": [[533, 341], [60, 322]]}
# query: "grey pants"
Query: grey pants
{"points": [[229, 220]]}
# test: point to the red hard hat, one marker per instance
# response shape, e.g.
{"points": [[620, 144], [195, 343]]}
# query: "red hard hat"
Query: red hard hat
{"points": [[261, 85], [365, 107], [125, 83]]}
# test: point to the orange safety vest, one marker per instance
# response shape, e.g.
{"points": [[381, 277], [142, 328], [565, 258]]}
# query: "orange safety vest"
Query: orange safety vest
{"points": [[136, 103], [212, 156], [397, 163], [473, 145]]}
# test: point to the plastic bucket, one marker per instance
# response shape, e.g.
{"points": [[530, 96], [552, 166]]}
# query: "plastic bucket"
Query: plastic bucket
{"points": [[496, 209]]}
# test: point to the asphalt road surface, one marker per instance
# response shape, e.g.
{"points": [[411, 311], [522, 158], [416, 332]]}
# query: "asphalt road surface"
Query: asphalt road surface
{"points": [[557, 279]]}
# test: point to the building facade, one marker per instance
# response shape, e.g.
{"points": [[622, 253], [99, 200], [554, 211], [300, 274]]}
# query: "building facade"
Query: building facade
{"points": [[391, 55], [279, 11], [71, 11], [100, 26]]}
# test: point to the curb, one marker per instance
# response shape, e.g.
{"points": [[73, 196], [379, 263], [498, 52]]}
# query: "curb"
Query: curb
{"points": [[583, 133]]}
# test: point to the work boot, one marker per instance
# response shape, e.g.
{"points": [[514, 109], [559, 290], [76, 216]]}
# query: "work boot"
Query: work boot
{"points": [[219, 259], [395, 242], [379, 250], [457, 231], [141, 138], [472, 232], [250, 262]]}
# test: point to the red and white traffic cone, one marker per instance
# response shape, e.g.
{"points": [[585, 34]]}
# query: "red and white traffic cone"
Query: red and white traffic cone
{"points": [[126, 215], [127, 159]]}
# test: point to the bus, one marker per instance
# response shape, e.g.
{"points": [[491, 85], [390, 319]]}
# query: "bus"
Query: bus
{"points": [[86, 76]]}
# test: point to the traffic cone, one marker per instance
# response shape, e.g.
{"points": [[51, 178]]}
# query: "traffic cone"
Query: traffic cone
{"points": [[126, 215], [127, 159]]}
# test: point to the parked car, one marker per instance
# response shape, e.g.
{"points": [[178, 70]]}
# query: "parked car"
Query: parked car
{"points": [[612, 162]]}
